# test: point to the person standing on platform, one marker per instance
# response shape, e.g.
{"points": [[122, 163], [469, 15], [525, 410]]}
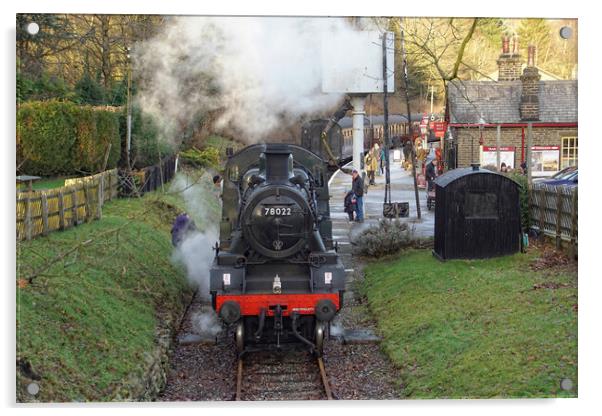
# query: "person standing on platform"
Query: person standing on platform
{"points": [[349, 206], [371, 165], [358, 192], [431, 173]]}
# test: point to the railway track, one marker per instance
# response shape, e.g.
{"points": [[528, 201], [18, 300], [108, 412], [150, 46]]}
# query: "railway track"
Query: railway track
{"points": [[285, 375]]}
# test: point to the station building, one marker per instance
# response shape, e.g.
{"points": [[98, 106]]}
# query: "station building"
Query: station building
{"points": [[520, 96]]}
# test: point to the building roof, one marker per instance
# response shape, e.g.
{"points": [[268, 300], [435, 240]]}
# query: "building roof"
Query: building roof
{"points": [[499, 101], [378, 120], [545, 75], [455, 174]]}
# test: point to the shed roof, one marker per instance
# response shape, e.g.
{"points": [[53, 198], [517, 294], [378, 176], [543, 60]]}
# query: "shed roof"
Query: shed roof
{"points": [[378, 120], [455, 174], [499, 101]]}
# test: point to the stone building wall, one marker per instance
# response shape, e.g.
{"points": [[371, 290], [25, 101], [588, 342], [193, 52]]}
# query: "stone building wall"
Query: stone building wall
{"points": [[468, 140]]}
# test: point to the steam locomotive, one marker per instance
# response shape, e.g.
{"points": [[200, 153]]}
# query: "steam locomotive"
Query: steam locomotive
{"points": [[276, 276], [340, 135]]}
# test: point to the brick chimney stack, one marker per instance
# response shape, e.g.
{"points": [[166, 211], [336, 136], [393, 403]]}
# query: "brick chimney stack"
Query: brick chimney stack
{"points": [[509, 62], [529, 100]]}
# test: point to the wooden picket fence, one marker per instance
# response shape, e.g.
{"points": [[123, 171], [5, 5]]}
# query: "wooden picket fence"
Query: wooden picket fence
{"points": [[554, 212], [80, 200], [147, 179]]}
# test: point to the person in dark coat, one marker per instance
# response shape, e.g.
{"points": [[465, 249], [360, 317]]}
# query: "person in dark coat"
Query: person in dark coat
{"points": [[431, 174], [383, 160], [182, 227], [358, 193], [349, 205]]}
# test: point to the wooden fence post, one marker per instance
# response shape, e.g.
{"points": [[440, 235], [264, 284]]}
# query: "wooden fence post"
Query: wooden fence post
{"points": [[28, 216], [574, 223], [61, 210], [101, 195], [558, 216], [542, 209], [75, 204], [17, 215], [44, 214], [86, 201], [110, 187]]}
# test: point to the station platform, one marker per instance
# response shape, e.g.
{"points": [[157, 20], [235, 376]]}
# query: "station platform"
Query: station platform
{"points": [[402, 190]]}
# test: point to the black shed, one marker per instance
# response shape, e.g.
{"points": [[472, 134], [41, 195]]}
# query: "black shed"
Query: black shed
{"points": [[477, 214]]}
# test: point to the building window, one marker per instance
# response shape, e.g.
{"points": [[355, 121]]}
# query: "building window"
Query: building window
{"points": [[569, 152]]}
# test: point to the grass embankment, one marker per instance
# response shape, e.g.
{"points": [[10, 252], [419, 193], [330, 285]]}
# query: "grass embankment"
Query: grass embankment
{"points": [[86, 325], [476, 329]]}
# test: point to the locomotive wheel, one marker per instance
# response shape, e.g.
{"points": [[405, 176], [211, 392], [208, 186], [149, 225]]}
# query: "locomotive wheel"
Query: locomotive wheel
{"points": [[320, 328], [240, 337]]}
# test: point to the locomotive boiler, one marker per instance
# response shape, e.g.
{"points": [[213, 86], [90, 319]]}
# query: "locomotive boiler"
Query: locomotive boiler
{"points": [[276, 276]]}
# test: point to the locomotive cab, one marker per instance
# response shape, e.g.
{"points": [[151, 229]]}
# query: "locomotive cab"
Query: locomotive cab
{"points": [[276, 275]]}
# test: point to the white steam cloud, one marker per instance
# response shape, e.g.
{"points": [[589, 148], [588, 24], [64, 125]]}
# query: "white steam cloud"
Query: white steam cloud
{"points": [[252, 73], [196, 252], [336, 329], [206, 323]]}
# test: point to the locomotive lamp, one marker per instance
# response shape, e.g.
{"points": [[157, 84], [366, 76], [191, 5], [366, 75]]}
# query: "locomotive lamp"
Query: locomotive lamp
{"points": [[277, 285], [226, 280]]}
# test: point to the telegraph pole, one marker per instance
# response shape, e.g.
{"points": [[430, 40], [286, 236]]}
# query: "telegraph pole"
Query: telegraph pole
{"points": [[386, 143], [129, 108], [405, 76]]}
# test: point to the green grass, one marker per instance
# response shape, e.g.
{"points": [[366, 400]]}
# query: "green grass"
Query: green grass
{"points": [[475, 329], [45, 183], [87, 323]]}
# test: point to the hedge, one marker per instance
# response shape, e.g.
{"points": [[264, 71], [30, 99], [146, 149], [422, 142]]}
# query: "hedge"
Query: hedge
{"points": [[146, 146], [523, 196], [63, 138]]}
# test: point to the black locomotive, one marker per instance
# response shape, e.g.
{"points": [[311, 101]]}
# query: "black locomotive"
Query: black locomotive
{"points": [[340, 146], [276, 275]]}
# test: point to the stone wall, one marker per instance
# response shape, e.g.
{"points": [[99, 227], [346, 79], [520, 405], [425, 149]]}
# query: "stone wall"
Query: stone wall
{"points": [[468, 138]]}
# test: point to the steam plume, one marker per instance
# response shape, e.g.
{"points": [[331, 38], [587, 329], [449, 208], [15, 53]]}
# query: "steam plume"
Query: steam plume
{"points": [[195, 252], [253, 72]]}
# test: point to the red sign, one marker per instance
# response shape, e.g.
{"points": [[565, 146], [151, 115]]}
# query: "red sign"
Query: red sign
{"points": [[439, 127], [502, 148], [545, 148]]}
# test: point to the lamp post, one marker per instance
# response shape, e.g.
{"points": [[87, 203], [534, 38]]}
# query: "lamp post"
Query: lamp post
{"points": [[481, 141]]}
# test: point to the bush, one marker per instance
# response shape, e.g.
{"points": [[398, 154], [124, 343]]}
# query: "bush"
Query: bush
{"points": [[107, 130], [146, 145], [388, 237], [89, 91], [206, 158], [63, 138], [523, 196], [46, 136]]}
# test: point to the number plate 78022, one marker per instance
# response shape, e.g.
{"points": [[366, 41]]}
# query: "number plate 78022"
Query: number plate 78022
{"points": [[273, 211]]}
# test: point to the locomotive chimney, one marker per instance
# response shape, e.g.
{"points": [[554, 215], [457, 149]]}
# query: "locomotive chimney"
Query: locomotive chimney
{"points": [[278, 162]]}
